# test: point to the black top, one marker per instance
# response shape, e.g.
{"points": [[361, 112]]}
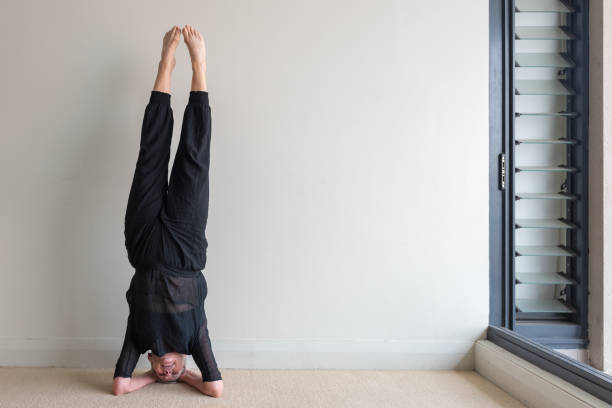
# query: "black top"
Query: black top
{"points": [[165, 239]]}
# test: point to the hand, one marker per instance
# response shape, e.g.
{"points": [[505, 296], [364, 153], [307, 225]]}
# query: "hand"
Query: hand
{"points": [[185, 373]]}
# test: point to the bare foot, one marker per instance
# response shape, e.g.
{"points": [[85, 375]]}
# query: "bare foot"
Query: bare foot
{"points": [[195, 44], [171, 41]]}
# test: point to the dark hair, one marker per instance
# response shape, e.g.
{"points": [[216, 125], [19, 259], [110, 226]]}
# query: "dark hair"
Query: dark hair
{"points": [[167, 382]]}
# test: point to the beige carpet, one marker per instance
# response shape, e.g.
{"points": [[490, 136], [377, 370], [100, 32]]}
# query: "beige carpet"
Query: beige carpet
{"points": [[70, 387]]}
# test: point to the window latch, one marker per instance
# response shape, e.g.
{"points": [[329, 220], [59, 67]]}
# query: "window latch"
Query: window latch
{"points": [[502, 171]]}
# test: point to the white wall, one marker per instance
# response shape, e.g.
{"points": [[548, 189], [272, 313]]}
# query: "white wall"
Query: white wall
{"points": [[349, 203]]}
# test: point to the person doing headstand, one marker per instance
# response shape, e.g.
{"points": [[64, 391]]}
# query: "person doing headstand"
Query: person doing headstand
{"points": [[165, 236]]}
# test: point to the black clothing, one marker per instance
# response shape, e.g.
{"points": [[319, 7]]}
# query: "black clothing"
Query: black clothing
{"points": [[165, 239]]}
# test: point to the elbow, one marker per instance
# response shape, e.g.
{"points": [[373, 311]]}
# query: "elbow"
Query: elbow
{"points": [[118, 391], [215, 389], [119, 387], [216, 394]]}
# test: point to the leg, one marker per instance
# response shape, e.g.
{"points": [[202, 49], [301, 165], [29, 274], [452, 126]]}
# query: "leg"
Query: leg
{"points": [[187, 200], [186, 211], [188, 191], [150, 180]]}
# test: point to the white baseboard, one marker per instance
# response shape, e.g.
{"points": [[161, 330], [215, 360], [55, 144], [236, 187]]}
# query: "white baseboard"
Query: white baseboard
{"points": [[254, 353], [528, 383]]}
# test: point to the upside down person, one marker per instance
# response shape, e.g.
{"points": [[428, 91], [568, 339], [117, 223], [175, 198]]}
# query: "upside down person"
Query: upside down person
{"points": [[165, 237]]}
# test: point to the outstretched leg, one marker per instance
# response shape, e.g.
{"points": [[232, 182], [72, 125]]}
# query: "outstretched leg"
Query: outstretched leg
{"points": [[186, 211], [150, 181]]}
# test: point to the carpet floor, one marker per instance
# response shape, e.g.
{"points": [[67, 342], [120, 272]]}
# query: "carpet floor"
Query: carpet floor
{"points": [[72, 387]]}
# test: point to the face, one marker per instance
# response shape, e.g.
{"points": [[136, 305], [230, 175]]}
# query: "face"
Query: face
{"points": [[167, 367]]}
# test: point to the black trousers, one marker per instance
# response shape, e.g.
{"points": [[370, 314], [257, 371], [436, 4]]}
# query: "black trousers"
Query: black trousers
{"points": [[166, 222]]}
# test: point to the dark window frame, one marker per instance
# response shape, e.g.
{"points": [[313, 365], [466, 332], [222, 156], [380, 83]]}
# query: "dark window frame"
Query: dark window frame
{"points": [[501, 297]]}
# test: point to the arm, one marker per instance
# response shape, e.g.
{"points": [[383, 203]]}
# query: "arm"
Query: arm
{"points": [[124, 385], [211, 388], [122, 381], [210, 382]]}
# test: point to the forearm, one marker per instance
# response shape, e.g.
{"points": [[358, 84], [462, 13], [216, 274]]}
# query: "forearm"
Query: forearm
{"points": [[211, 388], [193, 379], [141, 380], [128, 358], [123, 385]]}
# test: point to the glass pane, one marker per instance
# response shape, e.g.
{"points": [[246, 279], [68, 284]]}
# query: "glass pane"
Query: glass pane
{"points": [[545, 196], [545, 6], [561, 169], [542, 250], [542, 60], [560, 140], [542, 306], [541, 87], [543, 223], [543, 278], [542, 33]]}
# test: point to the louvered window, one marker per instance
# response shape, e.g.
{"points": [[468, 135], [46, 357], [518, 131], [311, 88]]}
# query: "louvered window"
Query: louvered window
{"points": [[544, 168]]}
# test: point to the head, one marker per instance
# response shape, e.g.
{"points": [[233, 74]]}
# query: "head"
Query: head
{"points": [[169, 367]]}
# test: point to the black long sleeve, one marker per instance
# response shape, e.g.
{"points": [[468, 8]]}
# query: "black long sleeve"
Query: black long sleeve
{"points": [[129, 353], [203, 355]]}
